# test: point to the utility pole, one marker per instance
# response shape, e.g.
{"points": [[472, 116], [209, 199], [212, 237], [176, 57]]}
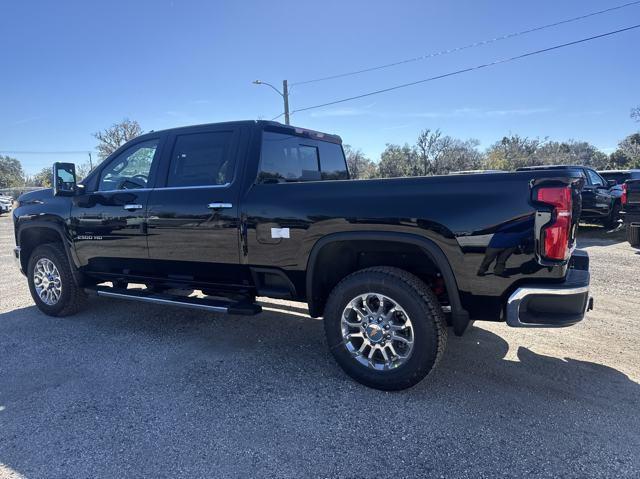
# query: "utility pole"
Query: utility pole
{"points": [[285, 97], [284, 94], [90, 163]]}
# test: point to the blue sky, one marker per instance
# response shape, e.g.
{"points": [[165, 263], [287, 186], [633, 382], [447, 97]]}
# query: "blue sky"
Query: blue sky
{"points": [[70, 68]]}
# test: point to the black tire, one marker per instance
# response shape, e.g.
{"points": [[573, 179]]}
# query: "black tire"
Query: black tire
{"points": [[420, 303], [72, 298], [613, 220], [633, 235]]}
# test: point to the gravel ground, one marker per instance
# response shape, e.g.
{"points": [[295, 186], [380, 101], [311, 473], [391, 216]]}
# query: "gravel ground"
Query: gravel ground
{"points": [[130, 390]]}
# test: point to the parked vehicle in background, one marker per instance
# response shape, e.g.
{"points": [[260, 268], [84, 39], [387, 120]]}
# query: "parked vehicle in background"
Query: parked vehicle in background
{"points": [[620, 177], [599, 203], [6, 203], [255, 208], [631, 210]]}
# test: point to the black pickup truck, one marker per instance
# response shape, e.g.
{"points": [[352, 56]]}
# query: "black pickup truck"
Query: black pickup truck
{"points": [[237, 210], [631, 210], [601, 198]]}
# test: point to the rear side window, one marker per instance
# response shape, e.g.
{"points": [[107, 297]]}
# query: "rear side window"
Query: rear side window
{"points": [[201, 159], [287, 158], [332, 162]]}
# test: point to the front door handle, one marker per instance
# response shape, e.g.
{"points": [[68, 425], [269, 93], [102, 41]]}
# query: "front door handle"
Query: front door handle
{"points": [[132, 207], [219, 206]]}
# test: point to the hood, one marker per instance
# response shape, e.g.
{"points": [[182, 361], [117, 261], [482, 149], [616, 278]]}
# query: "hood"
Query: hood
{"points": [[35, 196]]}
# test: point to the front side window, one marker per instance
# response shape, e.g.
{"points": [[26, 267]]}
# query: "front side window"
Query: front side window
{"points": [[595, 178], [201, 159], [130, 169]]}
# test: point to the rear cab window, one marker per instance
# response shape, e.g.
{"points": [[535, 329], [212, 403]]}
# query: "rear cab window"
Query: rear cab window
{"points": [[286, 158]]}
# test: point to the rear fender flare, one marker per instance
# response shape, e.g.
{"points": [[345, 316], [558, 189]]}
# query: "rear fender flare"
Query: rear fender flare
{"points": [[460, 317]]}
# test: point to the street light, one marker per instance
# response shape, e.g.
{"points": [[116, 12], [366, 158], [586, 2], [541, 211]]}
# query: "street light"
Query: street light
{"points": [[284, 94]]}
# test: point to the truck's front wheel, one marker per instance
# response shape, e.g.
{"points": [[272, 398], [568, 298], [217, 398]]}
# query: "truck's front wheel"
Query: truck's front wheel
{"points": [[51, 283], [385, 327]]}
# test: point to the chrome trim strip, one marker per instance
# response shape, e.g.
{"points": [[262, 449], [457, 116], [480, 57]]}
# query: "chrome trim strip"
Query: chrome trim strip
{"points": [[218, 206], [226, 185], [132, 207], [147, 299], [142, 190], [514, 301], [130, 190]]}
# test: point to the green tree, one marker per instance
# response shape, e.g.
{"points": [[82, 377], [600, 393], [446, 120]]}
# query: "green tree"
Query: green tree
{"points": [[572, 153], [112, 138], [459, 156], [513, 152], [360, 167], [43, 178], [396, 161], [11, 173], [630, 148]]}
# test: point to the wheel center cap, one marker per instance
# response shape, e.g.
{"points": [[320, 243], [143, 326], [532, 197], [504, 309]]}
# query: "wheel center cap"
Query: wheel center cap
{"points": [[374, 332]]}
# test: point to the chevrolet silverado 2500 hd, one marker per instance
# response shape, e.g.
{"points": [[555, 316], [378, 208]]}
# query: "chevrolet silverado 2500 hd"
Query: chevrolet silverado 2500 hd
{"points": [[254, 208]]}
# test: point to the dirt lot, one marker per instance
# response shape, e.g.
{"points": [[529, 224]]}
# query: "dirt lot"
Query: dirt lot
{"points": [[124, 389]]}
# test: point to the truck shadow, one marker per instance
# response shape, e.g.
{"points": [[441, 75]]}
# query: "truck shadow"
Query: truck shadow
{"points": [[147, 369], [286, 331]]}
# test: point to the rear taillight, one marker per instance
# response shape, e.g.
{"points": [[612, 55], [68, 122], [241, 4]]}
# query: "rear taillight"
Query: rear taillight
{"points": [[555, 235], [623, 198]]}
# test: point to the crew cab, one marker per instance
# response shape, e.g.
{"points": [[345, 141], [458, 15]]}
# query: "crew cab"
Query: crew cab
{"points": [[601, 202], [239, 210]]}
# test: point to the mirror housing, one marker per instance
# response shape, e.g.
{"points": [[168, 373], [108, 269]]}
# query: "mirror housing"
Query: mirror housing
{"points": [[64, 179]]}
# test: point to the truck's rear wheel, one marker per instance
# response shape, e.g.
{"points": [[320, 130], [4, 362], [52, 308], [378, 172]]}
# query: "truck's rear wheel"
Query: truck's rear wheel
{"points": [[385, 327], [51, 282]]}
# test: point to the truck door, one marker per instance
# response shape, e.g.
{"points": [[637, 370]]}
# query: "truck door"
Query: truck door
{"points": [[596, 198], [193, 215], [107, 222]]}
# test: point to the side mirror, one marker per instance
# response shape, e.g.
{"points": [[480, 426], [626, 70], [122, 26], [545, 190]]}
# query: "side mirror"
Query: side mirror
{"points": [[64, 179], [612, 183]]}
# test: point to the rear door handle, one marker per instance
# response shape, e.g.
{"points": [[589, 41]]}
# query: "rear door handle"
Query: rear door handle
{"points": [[219, 206], [132, 207]]}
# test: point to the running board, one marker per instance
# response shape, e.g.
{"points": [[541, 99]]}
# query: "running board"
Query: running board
{"points": [[206, 304]]}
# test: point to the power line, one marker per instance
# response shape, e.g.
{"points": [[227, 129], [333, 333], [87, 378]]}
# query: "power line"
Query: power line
{"points": [[465, 70], [471, 45]]}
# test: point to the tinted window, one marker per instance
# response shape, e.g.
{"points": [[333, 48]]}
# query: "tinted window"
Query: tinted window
{"points": [[292, 158], [288, 158], [619, 177], [201, 159], [595, 178], [130, 169], [332, 162]]}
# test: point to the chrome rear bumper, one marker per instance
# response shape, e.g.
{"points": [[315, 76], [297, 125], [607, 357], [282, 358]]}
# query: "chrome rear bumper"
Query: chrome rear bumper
{"points": [[552, 305]]}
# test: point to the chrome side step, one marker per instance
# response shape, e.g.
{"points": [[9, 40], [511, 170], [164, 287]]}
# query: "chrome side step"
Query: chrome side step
{"points": [[205, 304]]}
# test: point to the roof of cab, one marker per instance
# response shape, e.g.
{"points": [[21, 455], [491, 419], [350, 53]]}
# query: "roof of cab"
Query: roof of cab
{"points": [[271, 125]]}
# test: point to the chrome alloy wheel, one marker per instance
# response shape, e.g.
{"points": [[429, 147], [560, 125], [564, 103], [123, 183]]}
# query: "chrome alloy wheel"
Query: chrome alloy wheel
{"points": [[46, 279], [377, 331]]}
